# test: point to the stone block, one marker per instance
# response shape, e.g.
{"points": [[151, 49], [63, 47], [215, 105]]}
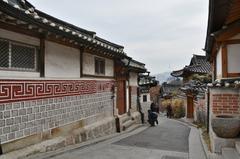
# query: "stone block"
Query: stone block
{"points": [[29, 110], [25, 118], [2, 123], [36, 109], [14, 113], [11, 136], [3, 138], [16, 105], [2, 107], [14, 128], [27, 132], [22, 112], [6, 130], [17, 120], [7, 114], [31, 117], [19, 134], [10, 121]]}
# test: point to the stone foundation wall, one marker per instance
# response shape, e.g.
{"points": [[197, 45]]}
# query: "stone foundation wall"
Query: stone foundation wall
{"points": [[30, 108]]}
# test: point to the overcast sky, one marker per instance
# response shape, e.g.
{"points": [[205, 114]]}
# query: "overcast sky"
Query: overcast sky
{"points": [[163, 34]]}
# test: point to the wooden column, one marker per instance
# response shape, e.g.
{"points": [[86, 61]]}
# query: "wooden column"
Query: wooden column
{"points": [[42, 57], [224, 61], [81, 61]]}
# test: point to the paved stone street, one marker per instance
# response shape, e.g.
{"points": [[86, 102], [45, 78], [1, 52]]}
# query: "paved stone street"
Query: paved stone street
{"points": [[168, 140]]}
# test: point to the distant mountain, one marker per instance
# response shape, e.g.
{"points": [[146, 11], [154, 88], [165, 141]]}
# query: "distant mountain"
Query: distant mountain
{"points": [[164, 77]]}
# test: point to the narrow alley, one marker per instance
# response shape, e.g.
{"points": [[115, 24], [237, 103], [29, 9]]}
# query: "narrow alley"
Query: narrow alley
{"points": [[168, 140]]}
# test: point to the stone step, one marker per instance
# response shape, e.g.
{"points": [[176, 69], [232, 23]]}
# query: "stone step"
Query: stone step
{"points": [[127, 124], [230, 153], [125, 119], [237, 145]]}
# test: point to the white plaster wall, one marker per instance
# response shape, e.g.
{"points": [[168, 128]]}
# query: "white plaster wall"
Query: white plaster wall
{"points": [[89, 65], [219, 63], [133, 79], [109, 67], [61, 61], [148, 97], [233, 58], [127, 95], [19, 37]]}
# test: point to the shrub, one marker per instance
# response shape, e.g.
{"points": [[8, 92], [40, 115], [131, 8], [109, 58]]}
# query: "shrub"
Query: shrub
{"points": [[177, 107]]}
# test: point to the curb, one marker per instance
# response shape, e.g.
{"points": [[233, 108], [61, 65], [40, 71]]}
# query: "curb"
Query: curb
{"points": [[193, 126], [205, 148], [83, 145]]}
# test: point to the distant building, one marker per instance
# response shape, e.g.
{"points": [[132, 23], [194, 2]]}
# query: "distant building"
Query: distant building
{"points": [[146, 82], [195, 78]]}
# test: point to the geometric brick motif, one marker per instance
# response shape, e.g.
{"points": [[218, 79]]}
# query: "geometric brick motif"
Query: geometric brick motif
{"points": [[19, 90]]}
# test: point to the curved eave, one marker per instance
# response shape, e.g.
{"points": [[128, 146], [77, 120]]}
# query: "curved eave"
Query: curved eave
{"points": [[21, 15]]}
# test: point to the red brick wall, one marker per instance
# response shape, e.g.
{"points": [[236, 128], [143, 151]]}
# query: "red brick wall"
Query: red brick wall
{"points": [[225, 104]]}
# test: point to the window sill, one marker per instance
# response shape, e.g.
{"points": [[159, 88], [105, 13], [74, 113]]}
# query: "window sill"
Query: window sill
{"points": [[18, 74]]}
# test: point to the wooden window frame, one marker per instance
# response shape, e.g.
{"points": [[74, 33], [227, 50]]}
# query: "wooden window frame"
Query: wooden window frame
{"points": [[36, 56], [99, 66], [144, 98], [225, 73]]}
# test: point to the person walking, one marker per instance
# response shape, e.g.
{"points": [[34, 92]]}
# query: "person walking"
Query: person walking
{"points": [[169, 111], [153, 115]]}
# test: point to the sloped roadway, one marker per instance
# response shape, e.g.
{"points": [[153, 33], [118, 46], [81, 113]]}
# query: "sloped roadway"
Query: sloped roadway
{"points": [[168, 140]]}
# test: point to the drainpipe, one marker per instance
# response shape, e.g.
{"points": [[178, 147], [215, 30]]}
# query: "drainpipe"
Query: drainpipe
{"points": [[208, 109], [1, 152], [128, 93]]}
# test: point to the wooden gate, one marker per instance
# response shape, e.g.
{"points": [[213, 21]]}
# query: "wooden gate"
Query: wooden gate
{"points": [[190, 108], [121, 97]]}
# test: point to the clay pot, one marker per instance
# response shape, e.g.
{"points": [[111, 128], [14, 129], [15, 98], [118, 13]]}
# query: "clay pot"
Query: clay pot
{"points": [[226, 126]]}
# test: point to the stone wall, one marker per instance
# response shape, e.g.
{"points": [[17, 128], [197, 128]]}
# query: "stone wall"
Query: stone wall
{"points": [[200, 110], [36, 107]]}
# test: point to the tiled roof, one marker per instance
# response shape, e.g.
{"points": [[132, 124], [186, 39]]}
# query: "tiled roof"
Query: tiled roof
{"points": [[27, 14], [198, 64], [169, 88], [195, 87], [147, 80], [133, 64]]}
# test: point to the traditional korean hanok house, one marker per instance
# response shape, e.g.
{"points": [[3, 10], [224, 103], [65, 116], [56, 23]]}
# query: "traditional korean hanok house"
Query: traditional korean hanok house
{"points": [[146, 82], [56, 79], [199, 69], [127, 112], [223, 50]]}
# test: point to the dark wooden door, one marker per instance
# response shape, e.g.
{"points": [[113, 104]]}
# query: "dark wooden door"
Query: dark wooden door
{"points": [[190, 108], [121, 97]]}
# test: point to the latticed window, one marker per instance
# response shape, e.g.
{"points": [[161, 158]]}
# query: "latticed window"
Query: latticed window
{"points": [[16, 56], [99, 66]]}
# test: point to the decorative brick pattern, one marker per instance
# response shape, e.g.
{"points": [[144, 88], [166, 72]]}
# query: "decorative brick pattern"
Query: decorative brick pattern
{"points": [[24, 118], [12, 91], [226, 104]]}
